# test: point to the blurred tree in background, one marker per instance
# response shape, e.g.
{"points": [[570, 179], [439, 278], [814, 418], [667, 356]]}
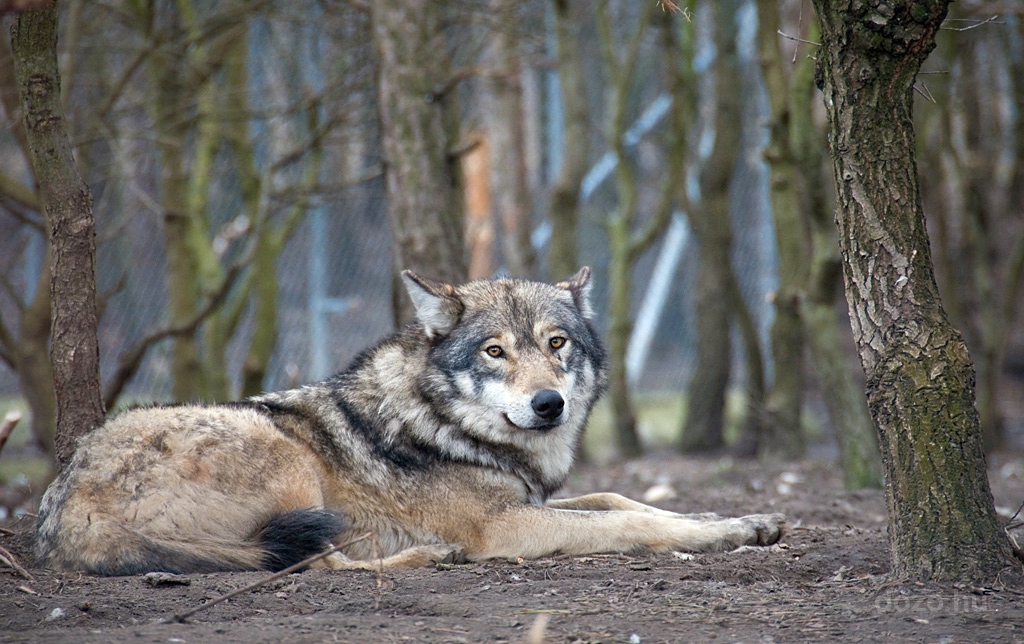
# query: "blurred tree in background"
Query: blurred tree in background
{"points": [[260, 169]]}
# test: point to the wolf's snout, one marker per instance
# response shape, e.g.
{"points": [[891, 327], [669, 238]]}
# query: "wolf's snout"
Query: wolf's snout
{"points": [[547, 404]]}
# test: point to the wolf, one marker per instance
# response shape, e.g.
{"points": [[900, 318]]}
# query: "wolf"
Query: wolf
{"points": [[444, 442]]}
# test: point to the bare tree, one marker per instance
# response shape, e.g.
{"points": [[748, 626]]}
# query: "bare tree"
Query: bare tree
{"points": [[66, 200], [628, 237], [503, 114], [717, 297], [972, 181], [416, 103], [564, 198], [920, 380], [809, 273]]}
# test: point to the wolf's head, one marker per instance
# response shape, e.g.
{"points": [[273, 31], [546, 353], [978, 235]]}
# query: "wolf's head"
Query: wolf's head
{"points": [[513, 361]]}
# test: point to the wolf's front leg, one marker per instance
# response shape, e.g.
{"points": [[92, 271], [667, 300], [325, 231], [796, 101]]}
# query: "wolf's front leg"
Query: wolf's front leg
{"points": [[537, 531], [605, 501]]}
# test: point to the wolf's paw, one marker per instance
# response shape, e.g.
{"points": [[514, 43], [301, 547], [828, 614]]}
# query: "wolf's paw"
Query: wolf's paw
{"points": [[418, 556], [761, 529], [451, 555]]}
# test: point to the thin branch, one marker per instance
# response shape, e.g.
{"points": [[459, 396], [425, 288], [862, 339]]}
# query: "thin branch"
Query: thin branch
{"points": [[676, 148], [977, 23], [7, 426], [926, 93], [181, 617], [130, 362], [9, 559], [794, 38]]}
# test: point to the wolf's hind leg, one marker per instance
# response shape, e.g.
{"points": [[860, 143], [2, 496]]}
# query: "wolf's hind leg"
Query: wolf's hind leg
{"points": [[415, 557]]}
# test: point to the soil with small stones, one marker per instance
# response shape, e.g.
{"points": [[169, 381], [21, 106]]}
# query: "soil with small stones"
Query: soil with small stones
{"points": [[827, 580]]}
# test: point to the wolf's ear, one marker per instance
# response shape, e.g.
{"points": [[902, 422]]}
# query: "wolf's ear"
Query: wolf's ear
{"points": [[437, 306], [579, 285]]}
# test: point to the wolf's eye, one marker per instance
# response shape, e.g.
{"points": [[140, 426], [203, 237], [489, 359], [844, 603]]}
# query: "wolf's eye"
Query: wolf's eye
{"points": [[494, 351], [556, 342]]}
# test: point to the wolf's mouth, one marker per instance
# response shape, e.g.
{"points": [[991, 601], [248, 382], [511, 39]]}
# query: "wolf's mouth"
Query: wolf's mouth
{"points": [[540, 429]]}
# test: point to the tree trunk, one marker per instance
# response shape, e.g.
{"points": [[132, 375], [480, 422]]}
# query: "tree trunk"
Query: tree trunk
{"points": [[920, 381], [703, 427], [783, 433], [624, 242], [810, 271], [414, 92], [841, 387], [503, 112], [166, 103], [564, 204], [74, 349]]}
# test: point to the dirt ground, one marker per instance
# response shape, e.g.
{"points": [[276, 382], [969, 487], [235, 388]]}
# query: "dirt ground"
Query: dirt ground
{"points": [[826, 581]]}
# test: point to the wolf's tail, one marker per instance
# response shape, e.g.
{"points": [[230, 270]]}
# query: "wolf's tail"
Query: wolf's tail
{"points": [[108, 547]]}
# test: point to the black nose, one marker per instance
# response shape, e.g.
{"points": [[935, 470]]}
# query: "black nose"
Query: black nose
{"points": [[547, 404]]}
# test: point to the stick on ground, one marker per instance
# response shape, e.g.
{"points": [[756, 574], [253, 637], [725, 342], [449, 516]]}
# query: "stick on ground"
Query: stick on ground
{"points": [[181, 617], [9, 559]]}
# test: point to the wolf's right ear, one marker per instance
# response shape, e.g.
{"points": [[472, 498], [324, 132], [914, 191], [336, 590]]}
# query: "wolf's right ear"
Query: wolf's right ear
{"points": [[579, 286], [437, 306]]}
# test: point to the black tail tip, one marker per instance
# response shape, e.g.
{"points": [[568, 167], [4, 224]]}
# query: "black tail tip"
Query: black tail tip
{"points": [[290, 537]]}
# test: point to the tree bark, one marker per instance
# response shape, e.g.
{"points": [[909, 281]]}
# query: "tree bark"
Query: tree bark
{"points": [[920, 380], [74, 349], [415, 92]]}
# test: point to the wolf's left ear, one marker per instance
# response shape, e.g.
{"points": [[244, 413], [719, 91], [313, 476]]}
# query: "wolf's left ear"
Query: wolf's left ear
{"points": [[437, 306], [579, 285]]}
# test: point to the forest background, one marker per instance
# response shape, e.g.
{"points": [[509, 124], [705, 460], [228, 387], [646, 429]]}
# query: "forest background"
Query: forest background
{"points": [[234, 154]]}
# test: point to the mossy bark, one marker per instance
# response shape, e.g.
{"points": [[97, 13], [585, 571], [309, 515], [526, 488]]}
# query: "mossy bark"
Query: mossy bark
{"points": [[920, 379]]}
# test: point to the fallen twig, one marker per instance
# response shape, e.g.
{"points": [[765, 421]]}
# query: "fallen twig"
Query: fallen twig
{"points": [[181, 617], [7, 426], [12, 561]]}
